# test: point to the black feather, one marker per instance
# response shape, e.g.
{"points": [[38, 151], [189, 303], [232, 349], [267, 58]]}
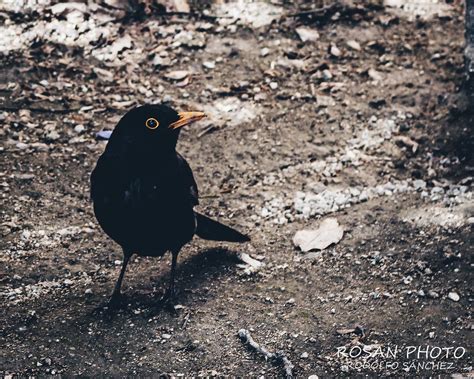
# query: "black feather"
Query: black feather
{"points": [[209, 229]]}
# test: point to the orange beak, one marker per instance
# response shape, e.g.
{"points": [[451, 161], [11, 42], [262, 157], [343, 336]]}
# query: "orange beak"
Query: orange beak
{"points": [[186, 118]]}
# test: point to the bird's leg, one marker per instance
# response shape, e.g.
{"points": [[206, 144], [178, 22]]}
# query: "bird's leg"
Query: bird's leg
{"points": [[170, 291], [115, 298]]}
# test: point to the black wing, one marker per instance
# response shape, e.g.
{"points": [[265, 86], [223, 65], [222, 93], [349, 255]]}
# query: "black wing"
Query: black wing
{"points": [[188, 177], [108, 179]]}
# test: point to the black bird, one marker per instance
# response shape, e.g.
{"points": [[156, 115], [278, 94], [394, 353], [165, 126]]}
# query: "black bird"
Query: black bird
{"points": [[144, 191]]}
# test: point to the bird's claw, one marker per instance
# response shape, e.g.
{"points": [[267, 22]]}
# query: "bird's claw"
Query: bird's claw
{"points": [[115, 302], [168, 298]]}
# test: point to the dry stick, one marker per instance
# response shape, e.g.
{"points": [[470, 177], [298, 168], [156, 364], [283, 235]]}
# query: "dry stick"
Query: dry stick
{"points": [[278, 357]]}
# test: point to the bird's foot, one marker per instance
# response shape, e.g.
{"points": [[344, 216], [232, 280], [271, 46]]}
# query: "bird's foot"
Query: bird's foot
{"points": [[115, 301], [110, 309], [168, 298]]}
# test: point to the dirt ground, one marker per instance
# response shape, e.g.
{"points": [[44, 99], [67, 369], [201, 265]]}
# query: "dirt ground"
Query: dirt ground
{"points": [[369, 116]]}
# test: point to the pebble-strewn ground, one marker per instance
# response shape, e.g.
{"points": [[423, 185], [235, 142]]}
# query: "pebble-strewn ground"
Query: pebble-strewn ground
{"points": [[354, 112]]}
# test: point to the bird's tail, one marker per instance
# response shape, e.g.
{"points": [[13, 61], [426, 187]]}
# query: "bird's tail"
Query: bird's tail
{"points": [[209, 229]]}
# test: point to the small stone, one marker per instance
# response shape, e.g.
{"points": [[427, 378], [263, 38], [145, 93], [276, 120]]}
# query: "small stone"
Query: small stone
{"points": [[345, 368], [79, 128], [433, 294], [354, 45], [162, 62], [88, 291], [117, 262], [313, 377], [453, 296], [209, 64], [307, 34], [166, 336], [273, 85], [419, 184], [327, 75], [264, 52], [374, 74], [260, 96], [177, 75], [68, 282], [53, 135], [363, 196], [22, 146], [304, 355], [25, 235], [334, 51], [290, 301]]}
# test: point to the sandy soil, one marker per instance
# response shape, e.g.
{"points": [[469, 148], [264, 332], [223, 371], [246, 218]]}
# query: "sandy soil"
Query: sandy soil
{"points": [[386, 116]]}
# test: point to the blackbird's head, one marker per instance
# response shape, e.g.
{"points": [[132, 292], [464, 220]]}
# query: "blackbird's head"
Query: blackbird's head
{"points": [[151, 128]]}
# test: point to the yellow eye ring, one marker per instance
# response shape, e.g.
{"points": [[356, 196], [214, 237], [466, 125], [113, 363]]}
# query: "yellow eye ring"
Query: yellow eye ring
{"points": [[152, 123]]}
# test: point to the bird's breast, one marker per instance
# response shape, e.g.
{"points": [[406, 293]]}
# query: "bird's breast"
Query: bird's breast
{"points": [[144, 204]]}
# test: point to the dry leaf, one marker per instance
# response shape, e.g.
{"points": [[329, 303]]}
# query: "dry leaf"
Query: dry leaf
{"points": [[329, 232]]}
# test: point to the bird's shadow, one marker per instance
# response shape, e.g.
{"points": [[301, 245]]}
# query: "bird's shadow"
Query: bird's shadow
{"points": [[192, 276]]}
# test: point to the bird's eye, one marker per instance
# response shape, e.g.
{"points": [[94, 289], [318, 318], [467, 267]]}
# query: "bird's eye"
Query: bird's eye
{"points": [[152, 123]]}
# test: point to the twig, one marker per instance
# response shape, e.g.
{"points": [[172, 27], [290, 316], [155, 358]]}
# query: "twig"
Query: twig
{"points": [[185, 321], [278, 357], [209, 129], [281, 356], [246, 337]]}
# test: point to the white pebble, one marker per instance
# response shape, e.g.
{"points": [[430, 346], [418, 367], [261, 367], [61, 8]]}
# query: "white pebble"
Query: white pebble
{"points": [[209, 64], [265, 51], [453, 296], [79, 128]]}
